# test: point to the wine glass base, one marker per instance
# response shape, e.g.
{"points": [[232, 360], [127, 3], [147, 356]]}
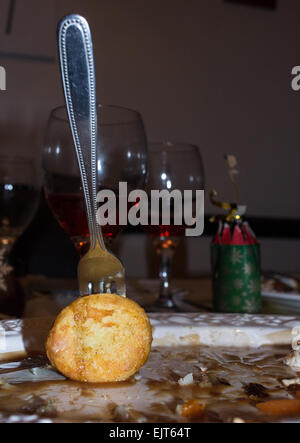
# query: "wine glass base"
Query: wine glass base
{"points": [[157, 308], [164, 304]]}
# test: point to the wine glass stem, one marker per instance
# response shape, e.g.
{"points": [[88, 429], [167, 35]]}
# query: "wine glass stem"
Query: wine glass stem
{"points": [[5, 268], [165, 275], [6, 246]]}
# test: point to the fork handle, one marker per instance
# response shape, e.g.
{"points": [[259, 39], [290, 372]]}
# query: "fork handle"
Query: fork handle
{"points": [[79, 83]]}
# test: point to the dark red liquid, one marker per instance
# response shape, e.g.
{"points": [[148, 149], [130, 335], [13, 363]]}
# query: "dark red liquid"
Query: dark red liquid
{"points": [[163, 231], [18, 204], [69, 210], [166, 236]]}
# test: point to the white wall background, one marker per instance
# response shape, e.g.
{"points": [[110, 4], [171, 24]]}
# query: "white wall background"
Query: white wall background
{"points": [[201, 71]]}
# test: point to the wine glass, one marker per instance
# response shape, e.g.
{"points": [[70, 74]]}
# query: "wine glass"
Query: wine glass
{"points": [[19, 198], [172, 166], [121, 157]]}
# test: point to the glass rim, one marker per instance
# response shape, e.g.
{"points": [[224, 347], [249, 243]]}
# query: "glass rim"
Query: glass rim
{"points": [[170, 146], [133, 112]]}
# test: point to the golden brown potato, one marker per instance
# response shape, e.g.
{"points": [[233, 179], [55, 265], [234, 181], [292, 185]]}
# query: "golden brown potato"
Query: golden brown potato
{"points": [[100, 338]]}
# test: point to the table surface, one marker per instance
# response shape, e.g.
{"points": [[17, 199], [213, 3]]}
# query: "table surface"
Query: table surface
{"points": [[47, 297]]}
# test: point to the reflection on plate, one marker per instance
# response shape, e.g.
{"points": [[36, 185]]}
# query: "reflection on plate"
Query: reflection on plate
{"points": [[281, 303], [233, 362]]}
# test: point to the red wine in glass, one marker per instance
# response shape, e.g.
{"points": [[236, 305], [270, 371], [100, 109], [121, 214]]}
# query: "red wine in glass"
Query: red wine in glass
{"points": [[121, 157], [172, 166], [69, 210], [18, 204], [167, 236], [19, 198]]}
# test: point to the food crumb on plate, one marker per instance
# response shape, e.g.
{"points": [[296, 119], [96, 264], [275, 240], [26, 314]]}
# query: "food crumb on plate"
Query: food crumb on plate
{"points": [[238, 420], [187, 380], [291, 382]]}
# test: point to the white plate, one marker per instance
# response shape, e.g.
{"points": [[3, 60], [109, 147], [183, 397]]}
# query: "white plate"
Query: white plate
{"points": [[169, 330], [287, 303], [239, 331], [283, 296]]}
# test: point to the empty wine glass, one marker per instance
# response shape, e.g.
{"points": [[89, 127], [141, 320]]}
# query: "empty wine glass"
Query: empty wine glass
{"points": [[19, 198], [121, 157], [172, 166]]}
